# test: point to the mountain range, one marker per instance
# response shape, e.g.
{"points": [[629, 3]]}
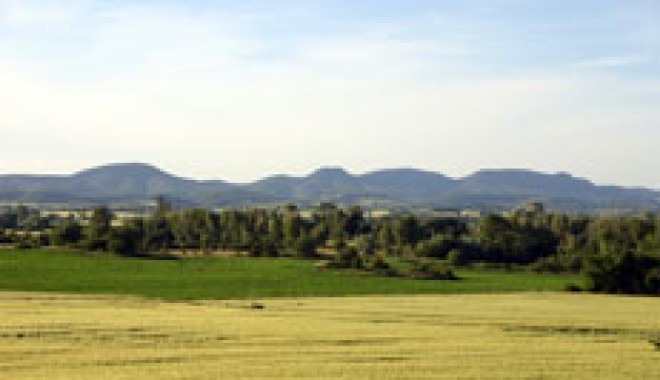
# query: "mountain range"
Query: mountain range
{"points": [[133, 183]]}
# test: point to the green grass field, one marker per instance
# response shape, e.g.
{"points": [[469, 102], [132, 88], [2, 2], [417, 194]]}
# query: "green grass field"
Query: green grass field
{"points": [[225, 278]]}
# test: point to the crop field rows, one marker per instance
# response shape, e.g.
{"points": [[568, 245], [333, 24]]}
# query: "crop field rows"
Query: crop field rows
{"points": [[513, 336]]}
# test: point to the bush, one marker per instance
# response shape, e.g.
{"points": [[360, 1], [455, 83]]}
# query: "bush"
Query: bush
{"points": [[573, 288], [365, 244], [457, 258], [28, 244], [437, 247], [66, 233], [380, 266], [629, 273], [263, 247], [432, 270], [546, 265], [94, 244], [305, 247], [348, 257], [652, 281], [123, 241]]}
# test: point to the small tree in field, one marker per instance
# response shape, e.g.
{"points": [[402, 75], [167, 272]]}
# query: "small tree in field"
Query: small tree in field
{"points": [[98, 230], [66, 233]]}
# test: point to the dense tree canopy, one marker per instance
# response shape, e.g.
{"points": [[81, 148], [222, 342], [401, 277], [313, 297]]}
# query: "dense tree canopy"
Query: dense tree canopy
{"points": [[617, 253]]}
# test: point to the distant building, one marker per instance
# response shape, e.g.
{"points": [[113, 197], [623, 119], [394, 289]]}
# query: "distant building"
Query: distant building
{"points": [[534, 208], [307, 214], [63, 214], [377, 214], [439, 214], [470, 214]]}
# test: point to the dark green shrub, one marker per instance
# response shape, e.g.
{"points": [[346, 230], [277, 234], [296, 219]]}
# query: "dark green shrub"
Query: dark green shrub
{"points": [[432, 270], [652, 281], [347, 258], [628, 273], [66, 233], [573, 288], [305, 247], [456, 257], [28, 243], [437, 247], [380, 266]]}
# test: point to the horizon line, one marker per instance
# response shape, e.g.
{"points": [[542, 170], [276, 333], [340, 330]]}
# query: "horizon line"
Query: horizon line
{"points": [[327, 167]]}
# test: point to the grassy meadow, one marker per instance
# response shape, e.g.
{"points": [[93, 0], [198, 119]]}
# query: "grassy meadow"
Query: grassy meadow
{"points": [[457, 336], [235, 277]]}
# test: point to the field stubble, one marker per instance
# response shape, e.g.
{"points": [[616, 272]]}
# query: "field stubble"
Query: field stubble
{"points": [[513, 336]]}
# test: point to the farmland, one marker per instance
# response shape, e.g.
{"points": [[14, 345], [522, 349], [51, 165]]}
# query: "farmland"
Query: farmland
{"points": [[466, 336], [72, 314], [226, 278]]}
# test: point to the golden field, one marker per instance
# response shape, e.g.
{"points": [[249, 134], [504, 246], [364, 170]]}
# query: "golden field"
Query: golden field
{"points": [[512, 336]]}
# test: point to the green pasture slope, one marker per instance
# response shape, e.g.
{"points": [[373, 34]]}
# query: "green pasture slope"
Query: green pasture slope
{"points": [[224, 278]]}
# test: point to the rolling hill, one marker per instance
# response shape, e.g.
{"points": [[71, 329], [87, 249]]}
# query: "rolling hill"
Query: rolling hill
{"points": [[392, 188]]}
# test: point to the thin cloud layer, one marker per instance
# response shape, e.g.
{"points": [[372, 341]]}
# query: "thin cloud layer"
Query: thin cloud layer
{"points": [[238, 90]]}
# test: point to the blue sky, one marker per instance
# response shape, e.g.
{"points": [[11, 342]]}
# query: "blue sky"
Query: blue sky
{"points": [[242, 89]]}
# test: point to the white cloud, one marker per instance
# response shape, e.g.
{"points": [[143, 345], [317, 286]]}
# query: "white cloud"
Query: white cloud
{"points": [[203, 94], [610, 62], [17, 13]]}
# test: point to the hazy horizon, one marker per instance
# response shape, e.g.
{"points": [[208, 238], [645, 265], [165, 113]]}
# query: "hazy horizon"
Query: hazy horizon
{"points": [[304, 174], [239, 90]]}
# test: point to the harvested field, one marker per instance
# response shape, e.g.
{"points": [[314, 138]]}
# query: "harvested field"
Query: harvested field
{"points": [[513, 336]]}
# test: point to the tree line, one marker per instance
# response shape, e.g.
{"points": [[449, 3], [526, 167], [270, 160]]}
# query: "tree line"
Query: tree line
{"points": [[617, 254]]}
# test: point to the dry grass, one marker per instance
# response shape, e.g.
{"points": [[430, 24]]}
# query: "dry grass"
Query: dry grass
{"points": [[513, 336]]}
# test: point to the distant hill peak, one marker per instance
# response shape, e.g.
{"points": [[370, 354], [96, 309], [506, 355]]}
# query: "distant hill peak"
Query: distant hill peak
{"points": [[396, 188], [124, 169], [330, 172]]}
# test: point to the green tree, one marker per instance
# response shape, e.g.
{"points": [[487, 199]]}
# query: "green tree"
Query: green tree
{"points": [[124, 240], [291, 227], [66, 233], [157, 234], [437, 247], [98, 230], [305, 246]]}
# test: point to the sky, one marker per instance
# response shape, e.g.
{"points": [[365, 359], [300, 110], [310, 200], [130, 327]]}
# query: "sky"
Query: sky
{"points": [[238, 90]]}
